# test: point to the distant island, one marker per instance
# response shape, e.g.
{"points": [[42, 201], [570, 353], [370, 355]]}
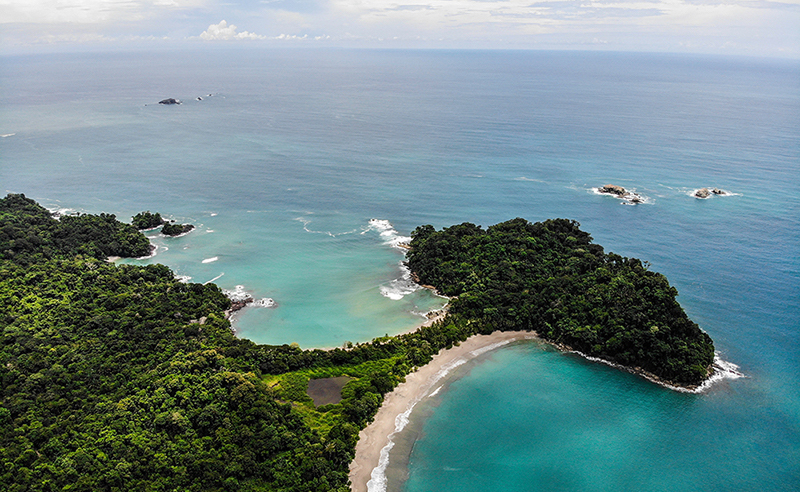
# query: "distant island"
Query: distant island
{"points": [[122, 377]]}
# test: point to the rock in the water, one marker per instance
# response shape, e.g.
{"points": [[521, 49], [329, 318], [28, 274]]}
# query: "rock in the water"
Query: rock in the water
{"points": [[171, 100], [199, 98], [718, 191], [702, 193], [613, 190]]}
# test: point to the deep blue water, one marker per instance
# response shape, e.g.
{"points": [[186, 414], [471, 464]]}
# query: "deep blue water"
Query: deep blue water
{"points": [[284, 166]]}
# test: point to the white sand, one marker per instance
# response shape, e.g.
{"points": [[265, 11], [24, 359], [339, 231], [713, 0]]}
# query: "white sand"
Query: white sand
{"points": [[375, 436]]}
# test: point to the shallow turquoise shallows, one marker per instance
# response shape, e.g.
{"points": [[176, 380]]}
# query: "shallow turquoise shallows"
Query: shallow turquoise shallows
{"points": [[302, 170]]}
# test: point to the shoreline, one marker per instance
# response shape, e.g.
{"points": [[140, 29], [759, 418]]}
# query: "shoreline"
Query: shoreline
{"points": [[374, 439], [367, 470]]}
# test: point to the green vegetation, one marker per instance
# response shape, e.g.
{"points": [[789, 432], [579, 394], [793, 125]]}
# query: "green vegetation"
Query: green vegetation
{"points": [[550, 278], [170, 229], [28, 233], [147, 220], [110, 381]]}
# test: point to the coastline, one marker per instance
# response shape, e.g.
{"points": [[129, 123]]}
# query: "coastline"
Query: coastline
{"points": [[397, 405], [376, 440]]}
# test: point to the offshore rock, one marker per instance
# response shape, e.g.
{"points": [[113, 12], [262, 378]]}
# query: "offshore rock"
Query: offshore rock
{"points": [[703, 193], [170, 100], [613, 190]]}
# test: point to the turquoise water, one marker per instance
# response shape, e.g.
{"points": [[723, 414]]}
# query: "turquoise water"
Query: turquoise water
{"points": [[294, 153]]}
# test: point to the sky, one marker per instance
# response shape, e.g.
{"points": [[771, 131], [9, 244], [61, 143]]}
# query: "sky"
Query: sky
{"points": [[734, 27]]}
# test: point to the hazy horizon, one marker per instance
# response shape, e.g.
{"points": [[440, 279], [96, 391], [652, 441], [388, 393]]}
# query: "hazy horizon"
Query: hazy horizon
{"points": [[733, 27]]}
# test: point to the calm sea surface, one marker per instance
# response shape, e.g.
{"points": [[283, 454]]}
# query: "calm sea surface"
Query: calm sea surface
{"points": [[301, 169]]}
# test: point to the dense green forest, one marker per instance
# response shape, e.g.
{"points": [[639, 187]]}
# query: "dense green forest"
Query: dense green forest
{"points": [[147, 220], [550, 277], [122, 378]]}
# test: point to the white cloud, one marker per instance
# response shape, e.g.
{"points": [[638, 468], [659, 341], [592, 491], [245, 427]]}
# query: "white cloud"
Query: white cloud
{"points": [[225, 32]]}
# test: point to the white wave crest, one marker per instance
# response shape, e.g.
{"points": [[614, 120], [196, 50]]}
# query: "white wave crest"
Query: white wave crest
{"points": [[153, 251], [183, 278], [377, 482], [387, 232], [488, 348], [214, 279], [210, 260], [722, 370], [237, 294], [306, 222], [400, 287], [631, 197], [265, 302]]}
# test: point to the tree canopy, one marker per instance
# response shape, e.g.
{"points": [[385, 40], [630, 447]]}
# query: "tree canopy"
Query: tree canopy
{"points": [[123, 378], [549, 277]]}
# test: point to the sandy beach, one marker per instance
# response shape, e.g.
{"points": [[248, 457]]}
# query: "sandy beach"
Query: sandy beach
{"points": [[376, 435]]}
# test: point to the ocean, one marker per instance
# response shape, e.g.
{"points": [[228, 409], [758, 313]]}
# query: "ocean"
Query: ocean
{"points": [[303, 169]]}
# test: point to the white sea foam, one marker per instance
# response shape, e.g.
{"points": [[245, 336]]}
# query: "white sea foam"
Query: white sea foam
{"points": [[183, 278], [211, 260], [237, 294], [488, 348], [631, 197], [267, 302], [153, 251], [6, 135], [725, 193], [400, 287], [387, 232], [58, 212], [214, 279], [523, 178], [721, 370], [377, 482], [213, 214], [209, 230], [306, 222]]}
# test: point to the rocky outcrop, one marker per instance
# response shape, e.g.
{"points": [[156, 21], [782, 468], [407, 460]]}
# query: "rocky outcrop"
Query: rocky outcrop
{"points": [[702, 193], [612, 190], [718, 191], [170, 100], [630, 197]]}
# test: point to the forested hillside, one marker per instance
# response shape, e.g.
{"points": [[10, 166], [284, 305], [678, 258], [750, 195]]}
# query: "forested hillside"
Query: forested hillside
{"points": [[122, 378], [550, 277]]}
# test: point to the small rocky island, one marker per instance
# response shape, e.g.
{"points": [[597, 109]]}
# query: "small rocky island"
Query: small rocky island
{"points": [[169, 101], [706, 193], [145, 221], [172, 229], [620, 192]]}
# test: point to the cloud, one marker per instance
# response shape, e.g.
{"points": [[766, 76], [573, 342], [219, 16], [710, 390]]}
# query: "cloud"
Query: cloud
{"points": [[225, 32]]}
